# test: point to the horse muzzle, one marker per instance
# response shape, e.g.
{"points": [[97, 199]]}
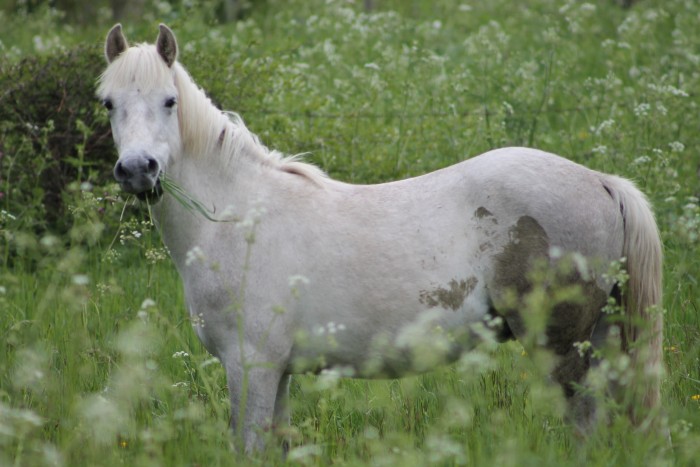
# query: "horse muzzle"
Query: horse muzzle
{"points": [[139, 174]]}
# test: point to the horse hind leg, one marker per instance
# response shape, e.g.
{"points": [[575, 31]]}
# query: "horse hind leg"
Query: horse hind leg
{"points": [[570, 372], [570, 324], [607, 337]]}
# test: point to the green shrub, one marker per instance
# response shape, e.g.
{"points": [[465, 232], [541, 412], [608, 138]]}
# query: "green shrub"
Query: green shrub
{"points": [[56, 159], [53, 136]]}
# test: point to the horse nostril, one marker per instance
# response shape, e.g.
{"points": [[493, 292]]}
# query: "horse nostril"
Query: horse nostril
{"points": [[152, 166], [120, 173]]}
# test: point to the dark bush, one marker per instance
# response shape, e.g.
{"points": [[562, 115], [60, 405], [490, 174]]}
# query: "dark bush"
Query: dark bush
{"points": [[53, 135]]}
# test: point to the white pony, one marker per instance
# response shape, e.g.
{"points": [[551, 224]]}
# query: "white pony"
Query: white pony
{"points": [[376, 279]]}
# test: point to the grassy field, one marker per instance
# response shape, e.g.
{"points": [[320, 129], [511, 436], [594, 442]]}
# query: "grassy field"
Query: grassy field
{"points": [[98, 361]]}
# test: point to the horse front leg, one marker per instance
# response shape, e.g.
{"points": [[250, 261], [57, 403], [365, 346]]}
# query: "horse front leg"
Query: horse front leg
{"points": [[253, 390], [281, 418]]}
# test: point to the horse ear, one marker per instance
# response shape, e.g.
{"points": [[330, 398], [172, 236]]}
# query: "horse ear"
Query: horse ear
{"points": [[167, 45], [115, 43]]}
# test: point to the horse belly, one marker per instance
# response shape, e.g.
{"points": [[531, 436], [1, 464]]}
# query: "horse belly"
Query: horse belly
{"points": [[393, 329]]}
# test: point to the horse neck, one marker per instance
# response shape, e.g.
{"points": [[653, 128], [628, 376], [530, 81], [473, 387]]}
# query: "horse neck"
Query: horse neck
{"points": [[228, 186], [222, 166]]}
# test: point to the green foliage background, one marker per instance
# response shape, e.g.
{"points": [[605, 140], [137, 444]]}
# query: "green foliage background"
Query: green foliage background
{"points": [[98, 362]]}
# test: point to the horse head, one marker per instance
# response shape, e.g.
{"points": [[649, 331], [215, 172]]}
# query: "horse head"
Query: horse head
{"points": [[138, 90]]}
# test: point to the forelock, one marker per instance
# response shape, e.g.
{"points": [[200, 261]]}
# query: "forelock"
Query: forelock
{"points": [[138, 67]]}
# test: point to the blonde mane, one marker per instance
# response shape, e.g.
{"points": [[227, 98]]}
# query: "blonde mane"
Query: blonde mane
{"points": [[205, 130]]}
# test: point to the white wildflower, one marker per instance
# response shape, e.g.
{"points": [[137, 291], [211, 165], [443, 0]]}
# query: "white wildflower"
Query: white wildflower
{"points": [[676, 146], [642, 110], [582, 347], [600, 149], [80, 279], [194, 255], [49, 241], [296, 280], [641, 160], [603, 126]]}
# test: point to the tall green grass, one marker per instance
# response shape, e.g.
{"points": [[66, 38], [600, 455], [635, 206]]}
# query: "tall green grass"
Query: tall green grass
{"points": [[98, 361]]}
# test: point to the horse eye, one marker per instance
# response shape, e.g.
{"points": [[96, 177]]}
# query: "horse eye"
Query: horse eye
{"points": [[170, 102], [108, 104]]}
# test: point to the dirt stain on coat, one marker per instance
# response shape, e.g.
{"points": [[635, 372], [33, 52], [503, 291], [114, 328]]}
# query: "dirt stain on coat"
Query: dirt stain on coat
{"points": [[482, 212], [451, 297]]}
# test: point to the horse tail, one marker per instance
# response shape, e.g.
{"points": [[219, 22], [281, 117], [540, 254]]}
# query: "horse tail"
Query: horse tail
{"points": [[642, 332]]}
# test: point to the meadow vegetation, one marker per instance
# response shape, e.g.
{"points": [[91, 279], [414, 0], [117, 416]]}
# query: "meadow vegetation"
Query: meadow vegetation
{"points": [[99, 364]]}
